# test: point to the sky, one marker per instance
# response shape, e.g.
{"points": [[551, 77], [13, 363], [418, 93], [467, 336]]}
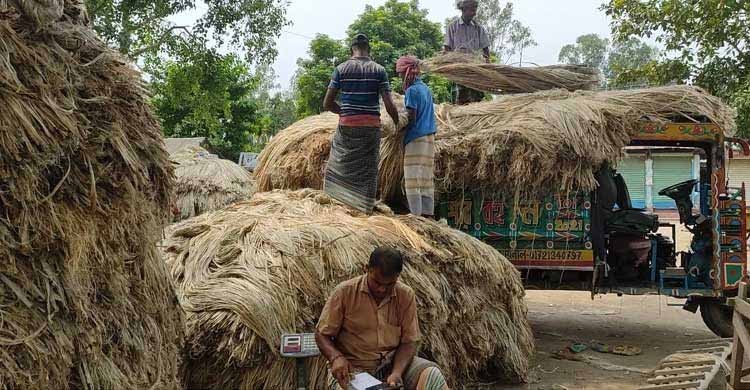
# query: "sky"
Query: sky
{"points": [[554, 23]]}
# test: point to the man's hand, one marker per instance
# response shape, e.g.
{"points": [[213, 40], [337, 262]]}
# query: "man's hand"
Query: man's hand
{"points": [[394, 379], [341, 369]]}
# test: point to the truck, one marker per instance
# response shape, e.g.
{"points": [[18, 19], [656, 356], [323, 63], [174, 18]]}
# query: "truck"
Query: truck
{"points": [[598, 241]]}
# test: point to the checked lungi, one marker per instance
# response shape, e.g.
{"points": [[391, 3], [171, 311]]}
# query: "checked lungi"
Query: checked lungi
{"points": [[352, 170], [419, 167]]}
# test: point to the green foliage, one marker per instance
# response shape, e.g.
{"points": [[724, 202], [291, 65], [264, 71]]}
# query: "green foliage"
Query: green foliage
{"points": [[627, 55], [314, 74], [441, 88], [398, 28], [741, 101], [707, 43], [589, 49], [277, 109], [211, 96], [652, 72], [141, 29], [499, 23], [281, 112], [395, 29], [624, 63], [134, 26]]}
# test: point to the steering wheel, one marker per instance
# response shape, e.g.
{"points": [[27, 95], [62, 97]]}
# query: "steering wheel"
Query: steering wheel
{"points": [[678, 187]]}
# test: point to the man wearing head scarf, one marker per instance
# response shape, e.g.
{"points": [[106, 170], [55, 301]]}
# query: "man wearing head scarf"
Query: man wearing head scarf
{"points": [[352, 170], [419, 139], [466, 36]]}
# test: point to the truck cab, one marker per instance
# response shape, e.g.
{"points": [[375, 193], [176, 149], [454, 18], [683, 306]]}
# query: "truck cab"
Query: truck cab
{"points": [[598, 241]]}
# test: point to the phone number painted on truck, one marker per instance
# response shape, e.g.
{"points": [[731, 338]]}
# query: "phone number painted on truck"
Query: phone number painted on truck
{"points": [[550, 258]]}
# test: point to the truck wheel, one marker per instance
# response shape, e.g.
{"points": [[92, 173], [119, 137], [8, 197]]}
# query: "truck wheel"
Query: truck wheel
{"points": [[718, 318]]}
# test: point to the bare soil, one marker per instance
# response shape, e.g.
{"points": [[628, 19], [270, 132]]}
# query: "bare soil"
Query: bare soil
{"points": [[560, 318]]}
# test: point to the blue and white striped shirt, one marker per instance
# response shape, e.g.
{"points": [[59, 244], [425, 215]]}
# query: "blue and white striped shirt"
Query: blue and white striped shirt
{"points": [[360, 82]]}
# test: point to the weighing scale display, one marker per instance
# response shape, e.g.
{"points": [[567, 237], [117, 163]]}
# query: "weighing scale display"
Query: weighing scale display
{"points": [[299, 345]]}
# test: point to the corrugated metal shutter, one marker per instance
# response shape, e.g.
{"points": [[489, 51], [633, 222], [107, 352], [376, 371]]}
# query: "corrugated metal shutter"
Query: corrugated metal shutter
{"points": [[633, 170], [670, 170], [739, 172]]}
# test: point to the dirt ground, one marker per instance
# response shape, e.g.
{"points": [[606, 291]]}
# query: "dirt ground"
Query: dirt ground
{"points": [[562, 317], [683, 237]]}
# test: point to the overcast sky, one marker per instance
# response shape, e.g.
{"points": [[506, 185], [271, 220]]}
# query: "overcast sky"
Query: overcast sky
{"points": [[553, 23]]}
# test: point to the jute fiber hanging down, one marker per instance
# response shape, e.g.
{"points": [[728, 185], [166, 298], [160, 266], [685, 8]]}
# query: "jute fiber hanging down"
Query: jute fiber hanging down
{"points": [[85, 188], [252, 271]]}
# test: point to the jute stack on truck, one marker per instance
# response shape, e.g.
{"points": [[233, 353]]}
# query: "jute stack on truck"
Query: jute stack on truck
{"points": [[517, 145], [255, 270], [205, 182], [85, 189]]}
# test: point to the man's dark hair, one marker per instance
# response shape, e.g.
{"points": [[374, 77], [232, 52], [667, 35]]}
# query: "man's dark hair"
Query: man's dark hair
{"points": [[361, 47], [389, 261], [361, 42], [464, 3]]}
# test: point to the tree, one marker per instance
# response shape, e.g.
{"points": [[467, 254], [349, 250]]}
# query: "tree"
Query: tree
{"points": [[142, 29], [401, 28], [398, 28], [277, 107], [209, 95], [708, 43], [620, 63], [508, 36], [281, 110], [625, 60], [520, 38], [395, 29], [590, 50], [314, 74]]}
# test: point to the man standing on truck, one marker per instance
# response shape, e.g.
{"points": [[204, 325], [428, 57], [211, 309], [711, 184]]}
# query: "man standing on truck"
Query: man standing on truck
{"points": [[419, 140], [369, 324], [352, 170], [466, 36]]}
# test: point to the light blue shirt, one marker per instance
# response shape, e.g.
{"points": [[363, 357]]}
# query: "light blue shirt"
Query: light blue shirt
{"points": [[419, 98]]}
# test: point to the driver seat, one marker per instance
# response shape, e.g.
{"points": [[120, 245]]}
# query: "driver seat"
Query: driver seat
{"points": [[627, 227], [627, 220], [623, 195]]}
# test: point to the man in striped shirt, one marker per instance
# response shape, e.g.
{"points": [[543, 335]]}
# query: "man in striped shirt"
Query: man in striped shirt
{"points": [[352, 169]]}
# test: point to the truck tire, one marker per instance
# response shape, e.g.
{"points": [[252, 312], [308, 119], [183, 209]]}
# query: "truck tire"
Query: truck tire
{"points": [[718, 318]]}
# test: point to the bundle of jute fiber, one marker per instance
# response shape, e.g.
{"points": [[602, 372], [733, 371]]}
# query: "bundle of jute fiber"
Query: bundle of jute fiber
{"points": [[469, 71], [85, 300], [174, 145], [296, 157], [205, 182], [257, 269], [528, 144]]}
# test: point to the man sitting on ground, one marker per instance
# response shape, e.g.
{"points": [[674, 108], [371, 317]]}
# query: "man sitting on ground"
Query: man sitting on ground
{"points": [[369, 324]]}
